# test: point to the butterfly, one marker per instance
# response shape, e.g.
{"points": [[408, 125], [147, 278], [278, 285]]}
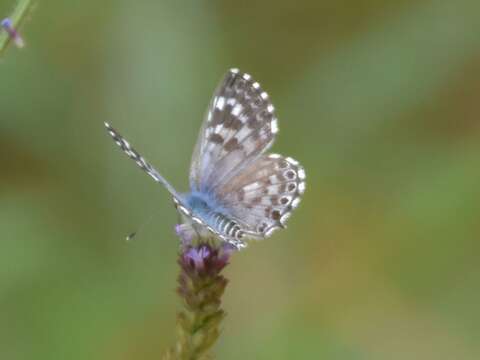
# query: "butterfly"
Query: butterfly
{"points": [[237, 192]]}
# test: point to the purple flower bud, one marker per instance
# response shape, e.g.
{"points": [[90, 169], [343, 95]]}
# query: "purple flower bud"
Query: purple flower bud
{"points": [[204, 260], [197, 257], [7, 24]]}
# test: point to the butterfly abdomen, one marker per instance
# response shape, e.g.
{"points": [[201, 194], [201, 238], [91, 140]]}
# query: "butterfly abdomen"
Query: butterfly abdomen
{"points": [[227, 226], [214, 220]]}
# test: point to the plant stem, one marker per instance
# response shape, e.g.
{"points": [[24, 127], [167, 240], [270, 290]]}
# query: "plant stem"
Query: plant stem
{"points": [[17, 17], [201, 287]]}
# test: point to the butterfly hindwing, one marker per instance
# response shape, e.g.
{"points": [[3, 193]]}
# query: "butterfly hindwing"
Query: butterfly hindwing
{"points": [[239, 126], [263, 196]]}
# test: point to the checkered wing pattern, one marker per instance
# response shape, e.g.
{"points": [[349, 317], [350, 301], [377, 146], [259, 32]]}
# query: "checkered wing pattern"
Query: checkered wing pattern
{"points": [[258, 191], [240, 125], [263, 196]]}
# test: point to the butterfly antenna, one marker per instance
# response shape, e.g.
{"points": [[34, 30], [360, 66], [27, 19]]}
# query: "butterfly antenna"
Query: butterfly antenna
{"points": [[141, 162], [132, 235]]}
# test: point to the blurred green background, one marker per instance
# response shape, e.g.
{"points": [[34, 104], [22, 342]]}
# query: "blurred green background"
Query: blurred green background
{"points": [[378, 99]]}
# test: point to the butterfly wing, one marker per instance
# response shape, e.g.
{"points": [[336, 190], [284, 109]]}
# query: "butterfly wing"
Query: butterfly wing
{"points": [[262, 197], [257, 191], [239, 127]]}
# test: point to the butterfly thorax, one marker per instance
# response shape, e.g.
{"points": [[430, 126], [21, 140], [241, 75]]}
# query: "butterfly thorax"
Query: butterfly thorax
{"points": [[207, 217]]}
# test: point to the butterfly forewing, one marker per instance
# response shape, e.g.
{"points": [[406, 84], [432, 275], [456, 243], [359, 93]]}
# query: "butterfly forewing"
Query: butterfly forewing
{"points": [[239, 126], [262, 197]]}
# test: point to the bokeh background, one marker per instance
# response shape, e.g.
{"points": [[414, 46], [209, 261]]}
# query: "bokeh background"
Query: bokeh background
{"points": [[378, 99]]}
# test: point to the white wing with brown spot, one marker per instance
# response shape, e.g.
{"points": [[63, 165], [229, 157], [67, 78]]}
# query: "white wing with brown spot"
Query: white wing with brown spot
{"points": [[240, 125], [263, 196]]}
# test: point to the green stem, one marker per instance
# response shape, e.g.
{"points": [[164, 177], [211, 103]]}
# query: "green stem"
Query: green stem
{"points": [[17, 16]]}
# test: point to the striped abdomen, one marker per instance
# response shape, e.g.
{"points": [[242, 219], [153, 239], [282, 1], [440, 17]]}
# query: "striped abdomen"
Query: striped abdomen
{"points": [[226, 226]]}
